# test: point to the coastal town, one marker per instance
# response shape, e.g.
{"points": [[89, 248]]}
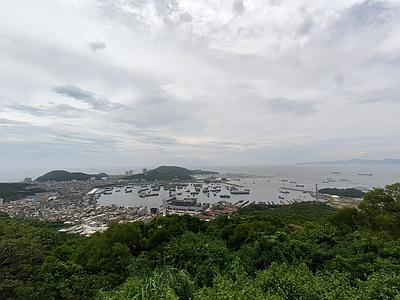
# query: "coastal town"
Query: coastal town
{"points": [[75, 202]]}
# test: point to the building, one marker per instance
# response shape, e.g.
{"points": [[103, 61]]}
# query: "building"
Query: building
{"points": [[144, 171], [28, 180], [130, 172], [1, 201]]}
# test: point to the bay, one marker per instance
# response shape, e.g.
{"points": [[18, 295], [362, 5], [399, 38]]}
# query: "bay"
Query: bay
{"points": [[265, 183]]}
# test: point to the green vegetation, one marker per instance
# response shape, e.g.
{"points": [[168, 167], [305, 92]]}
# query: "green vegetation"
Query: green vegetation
{"points": [[169, 173], [60, 175], [16, 191], [352, 193], [297, 213], [301, 251]]}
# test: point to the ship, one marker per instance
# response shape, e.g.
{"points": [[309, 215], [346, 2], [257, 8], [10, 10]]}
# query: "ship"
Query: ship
{"points": [[237, 192]]}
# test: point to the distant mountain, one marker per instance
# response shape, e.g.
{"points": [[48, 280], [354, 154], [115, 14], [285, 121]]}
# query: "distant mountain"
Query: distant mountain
{"points": [[59, 175], [355, 161], [170, 173]]}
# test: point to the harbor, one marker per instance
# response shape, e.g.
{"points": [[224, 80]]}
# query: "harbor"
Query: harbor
{"points": [[90, 206]]}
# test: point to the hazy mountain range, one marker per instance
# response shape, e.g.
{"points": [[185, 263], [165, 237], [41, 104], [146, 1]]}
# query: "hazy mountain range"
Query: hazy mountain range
{"points": [[355, 161]]}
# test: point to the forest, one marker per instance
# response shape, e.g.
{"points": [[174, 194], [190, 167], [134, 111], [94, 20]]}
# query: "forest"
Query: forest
{"points": [[301, 251], [16, 191]]}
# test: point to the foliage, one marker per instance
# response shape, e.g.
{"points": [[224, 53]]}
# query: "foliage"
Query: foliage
{"points": [[297, 213], [381, 209], [165, 283], [16, 191], [23, 249], [202, 256]]}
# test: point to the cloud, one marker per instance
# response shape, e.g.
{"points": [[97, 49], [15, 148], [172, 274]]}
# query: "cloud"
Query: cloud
{"points": [[208, 81], [97, 45], [58, 110], [96, 102], [284, 105], [389, 95], [8, 122], [238, 7]]}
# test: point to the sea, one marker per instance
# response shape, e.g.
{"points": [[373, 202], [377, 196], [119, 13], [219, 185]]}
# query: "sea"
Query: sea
{"points": [[278, 184], [265, 183]]}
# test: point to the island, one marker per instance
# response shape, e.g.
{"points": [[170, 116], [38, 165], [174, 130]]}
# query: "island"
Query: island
{"points": [[60, 175], [170, 173], [350, 192]]}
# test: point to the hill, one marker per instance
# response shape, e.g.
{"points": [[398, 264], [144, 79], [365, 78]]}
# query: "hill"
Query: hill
{"points": [[170, 173], [353, 193], [16, 191], [59, 175]]}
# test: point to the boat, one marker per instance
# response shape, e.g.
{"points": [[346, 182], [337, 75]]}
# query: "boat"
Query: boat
{"points": [[147, 195], [365, 174], [284, 192], [224, 196], [107, 193], [299, 185], [237, 192]]}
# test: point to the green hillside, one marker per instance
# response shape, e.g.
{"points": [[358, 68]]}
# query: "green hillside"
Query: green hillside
{"points": [[60, 175], [16, 191], [169, 173], [297, 213]]}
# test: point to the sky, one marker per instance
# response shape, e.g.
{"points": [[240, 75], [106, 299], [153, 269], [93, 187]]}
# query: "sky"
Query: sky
{"points": [[91, 83]]}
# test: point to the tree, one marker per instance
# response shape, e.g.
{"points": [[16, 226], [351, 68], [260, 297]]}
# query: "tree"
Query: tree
{"points": [[381, 209]]}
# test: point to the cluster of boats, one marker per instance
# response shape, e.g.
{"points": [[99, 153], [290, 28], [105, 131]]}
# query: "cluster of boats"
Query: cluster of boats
{"points": [[178, 189], [108, 190]]}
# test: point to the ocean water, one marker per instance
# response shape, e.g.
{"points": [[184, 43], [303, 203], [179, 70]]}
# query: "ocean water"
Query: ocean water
{"points": [[268, 183]]}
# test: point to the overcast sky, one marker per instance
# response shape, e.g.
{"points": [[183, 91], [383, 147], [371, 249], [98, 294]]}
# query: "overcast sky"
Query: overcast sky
{"points": [[197, 83]]}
